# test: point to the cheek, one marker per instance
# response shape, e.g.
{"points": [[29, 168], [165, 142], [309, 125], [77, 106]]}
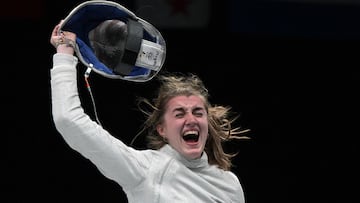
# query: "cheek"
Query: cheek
{"points": [[205, 126], [168, 126], [205, 121]]}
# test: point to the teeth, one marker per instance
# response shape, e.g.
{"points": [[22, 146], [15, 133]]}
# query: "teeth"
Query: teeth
{"points": [[191, 133]]}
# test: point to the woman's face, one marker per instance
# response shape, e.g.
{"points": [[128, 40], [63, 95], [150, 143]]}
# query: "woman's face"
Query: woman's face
{"points": [[185, 125]]}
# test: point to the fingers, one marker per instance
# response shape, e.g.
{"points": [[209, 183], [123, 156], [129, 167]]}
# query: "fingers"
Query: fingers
{"points": [[67, 38], [68, 35], [55, 40], [60, 37], [65, 41], [56, 29], [54, 34]]}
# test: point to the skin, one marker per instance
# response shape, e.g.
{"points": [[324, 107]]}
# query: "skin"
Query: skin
{"points": [[55, 37], [185, 114]]}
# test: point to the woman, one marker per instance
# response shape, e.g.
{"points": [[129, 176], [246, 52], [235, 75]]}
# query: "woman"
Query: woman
{"points": [[185, 161]]}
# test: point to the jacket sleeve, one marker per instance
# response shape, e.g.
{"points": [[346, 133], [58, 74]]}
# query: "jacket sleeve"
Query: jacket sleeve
{"points": [[113, 158]]}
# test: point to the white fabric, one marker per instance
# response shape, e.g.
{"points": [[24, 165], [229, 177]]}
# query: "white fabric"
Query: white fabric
{"points": [[146, 176]]}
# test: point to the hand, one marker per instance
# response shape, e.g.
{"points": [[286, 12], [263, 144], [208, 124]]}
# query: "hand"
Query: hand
{"points": [[63, 41]]}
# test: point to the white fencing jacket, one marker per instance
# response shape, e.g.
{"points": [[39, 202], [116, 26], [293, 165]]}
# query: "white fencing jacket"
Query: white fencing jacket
{"points": [[146, 176]]}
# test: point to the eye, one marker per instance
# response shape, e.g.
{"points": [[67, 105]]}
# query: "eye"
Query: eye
{"points": [[179, 115], [198, 113]]}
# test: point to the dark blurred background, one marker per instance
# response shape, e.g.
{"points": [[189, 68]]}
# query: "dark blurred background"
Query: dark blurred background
{"points": [[288, 67]]}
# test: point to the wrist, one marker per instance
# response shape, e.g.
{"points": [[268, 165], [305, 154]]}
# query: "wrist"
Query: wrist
{"points": [[65, 41], [63, 48], [65, 45]]}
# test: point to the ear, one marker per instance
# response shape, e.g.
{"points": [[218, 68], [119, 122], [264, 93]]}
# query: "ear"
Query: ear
{"points": [[160, 130]]}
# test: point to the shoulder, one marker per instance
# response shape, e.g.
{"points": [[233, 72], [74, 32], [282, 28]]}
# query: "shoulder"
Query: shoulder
{"points": [[234, 178], [154, 156], [227, 175]]}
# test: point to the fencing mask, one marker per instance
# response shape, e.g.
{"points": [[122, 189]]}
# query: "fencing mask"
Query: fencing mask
{"points": [[114, 42]]}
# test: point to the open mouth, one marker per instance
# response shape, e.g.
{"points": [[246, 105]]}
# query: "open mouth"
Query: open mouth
{"points": [[191, 136]]}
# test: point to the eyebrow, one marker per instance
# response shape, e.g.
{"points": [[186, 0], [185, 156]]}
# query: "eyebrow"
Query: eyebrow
{"points": [[196, 108]]}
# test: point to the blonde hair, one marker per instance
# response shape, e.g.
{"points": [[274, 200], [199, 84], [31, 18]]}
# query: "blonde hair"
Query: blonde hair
{"points": [[220, 128]]}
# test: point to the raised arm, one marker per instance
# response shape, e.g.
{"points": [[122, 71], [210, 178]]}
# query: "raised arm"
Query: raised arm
{"points": [[112, 157]]}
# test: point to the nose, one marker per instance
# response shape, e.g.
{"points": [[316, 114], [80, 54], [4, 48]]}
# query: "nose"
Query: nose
{"points": [[190, 119]]}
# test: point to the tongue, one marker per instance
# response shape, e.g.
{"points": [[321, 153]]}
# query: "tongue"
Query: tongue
{"points": [[191, 142]]}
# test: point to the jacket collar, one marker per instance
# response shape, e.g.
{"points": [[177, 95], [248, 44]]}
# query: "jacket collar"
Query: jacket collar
{"points": [[190, 163]]}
